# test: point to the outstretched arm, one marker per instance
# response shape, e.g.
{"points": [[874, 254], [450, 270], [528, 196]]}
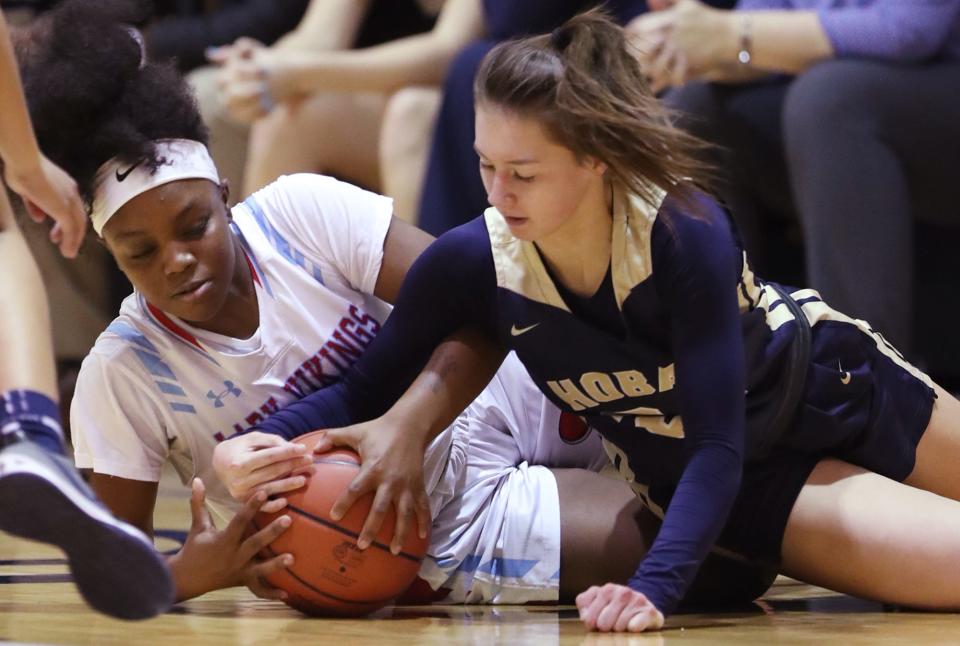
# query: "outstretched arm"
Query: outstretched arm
{"points": [[45, 188], [696, 272], [25, 322], [449, 287]]}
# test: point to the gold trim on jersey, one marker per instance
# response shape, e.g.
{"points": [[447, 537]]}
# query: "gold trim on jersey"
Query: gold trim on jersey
{"points": [[817, 311], [631, 258], [520, 268], [748, 294], [518, 264], [752, 293]]}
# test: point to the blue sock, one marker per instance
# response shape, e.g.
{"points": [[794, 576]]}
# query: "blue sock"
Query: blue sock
{"points": [[35, 415]]}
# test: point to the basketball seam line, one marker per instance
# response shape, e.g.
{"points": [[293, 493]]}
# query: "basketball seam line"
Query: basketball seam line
{"points": [[347, 532], [331, 461]]}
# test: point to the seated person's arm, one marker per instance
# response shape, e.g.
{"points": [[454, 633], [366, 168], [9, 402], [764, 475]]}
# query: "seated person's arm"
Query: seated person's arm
{"points": [[690, 40], [421, 59], [327, 25]]}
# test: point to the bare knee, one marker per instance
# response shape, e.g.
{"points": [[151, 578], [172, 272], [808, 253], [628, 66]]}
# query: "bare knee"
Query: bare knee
{"points": [[293, 137], [408, 122], [857, 532]]}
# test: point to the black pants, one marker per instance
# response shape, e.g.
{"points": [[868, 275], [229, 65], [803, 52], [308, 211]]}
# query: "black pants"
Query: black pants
{"points": [[856, 150]]}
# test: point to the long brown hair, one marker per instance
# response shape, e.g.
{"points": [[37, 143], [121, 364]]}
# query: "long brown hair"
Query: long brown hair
{"points": [[583, 84]]}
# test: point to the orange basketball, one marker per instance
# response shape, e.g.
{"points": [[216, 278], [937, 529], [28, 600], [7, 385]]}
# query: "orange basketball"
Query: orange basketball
{"points": [[330, 575]]}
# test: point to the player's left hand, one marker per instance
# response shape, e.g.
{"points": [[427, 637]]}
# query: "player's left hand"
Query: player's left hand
{"points": [[261, 462], [392, 466], [212, 558], [617, 608]]}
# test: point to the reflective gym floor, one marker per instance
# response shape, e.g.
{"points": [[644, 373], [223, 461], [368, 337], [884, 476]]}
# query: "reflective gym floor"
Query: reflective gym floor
{"points": [[38, 605]]}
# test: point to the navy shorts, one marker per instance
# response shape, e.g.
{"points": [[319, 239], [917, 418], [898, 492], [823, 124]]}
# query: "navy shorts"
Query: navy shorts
{"points": [[862, 403]]}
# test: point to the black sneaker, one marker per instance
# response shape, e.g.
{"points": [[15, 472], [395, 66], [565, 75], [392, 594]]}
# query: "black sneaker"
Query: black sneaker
{"points": [[115, 566]]}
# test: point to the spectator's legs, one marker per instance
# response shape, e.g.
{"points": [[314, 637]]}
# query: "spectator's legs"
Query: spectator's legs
{"points": [[743, 121], [330, 133], [855, 133], [452, 190], [404, 145]]}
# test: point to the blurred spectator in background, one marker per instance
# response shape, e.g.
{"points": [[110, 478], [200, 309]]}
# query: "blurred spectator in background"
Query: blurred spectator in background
{"points": [[452, 190], [84, 295], [327, 26], [319, 106], [840, 112], [368, 115], [184, 29]]}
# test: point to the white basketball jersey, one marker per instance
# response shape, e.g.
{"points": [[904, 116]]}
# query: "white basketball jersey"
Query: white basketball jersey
{"points": [[154, 388]]}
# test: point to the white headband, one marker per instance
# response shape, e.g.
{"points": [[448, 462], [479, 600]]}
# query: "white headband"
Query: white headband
{"points": [[119, 182]]}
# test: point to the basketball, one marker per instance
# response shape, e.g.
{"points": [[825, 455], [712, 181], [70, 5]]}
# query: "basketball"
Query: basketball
{"points": [[330, 575]]}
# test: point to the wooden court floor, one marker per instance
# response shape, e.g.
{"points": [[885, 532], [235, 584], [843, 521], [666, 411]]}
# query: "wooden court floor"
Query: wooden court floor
{"points": [[38, 605]]}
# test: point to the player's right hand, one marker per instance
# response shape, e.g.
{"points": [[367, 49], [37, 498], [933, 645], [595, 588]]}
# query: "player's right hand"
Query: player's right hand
{"points": [[617, 608], [47, 190], [391, 464], [261, 462]]}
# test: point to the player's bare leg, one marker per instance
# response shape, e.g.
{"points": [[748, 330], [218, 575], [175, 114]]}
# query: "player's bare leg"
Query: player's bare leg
{"points": [[606, 530], [863, 534], [599, 516], [937, 468]]}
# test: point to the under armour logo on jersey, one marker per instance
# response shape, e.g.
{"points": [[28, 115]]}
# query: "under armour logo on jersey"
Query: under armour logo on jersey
{"points": [[218, 397]]}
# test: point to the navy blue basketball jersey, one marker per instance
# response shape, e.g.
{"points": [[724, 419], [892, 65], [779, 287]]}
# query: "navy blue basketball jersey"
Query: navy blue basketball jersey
{"points": [[675, 360], [614, 357]]}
